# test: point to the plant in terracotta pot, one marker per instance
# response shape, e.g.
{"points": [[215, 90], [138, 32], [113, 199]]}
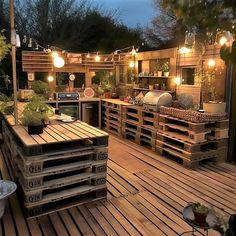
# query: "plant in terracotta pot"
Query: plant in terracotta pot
{"points": [[200, 212], [34, 115]]}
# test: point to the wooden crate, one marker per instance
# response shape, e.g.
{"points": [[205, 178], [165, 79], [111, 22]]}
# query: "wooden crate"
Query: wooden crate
{"points": [[191, 154], [140, 116], [76, 199]]}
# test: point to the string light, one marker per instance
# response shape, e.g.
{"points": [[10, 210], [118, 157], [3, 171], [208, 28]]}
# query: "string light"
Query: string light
{"points": [[184, 50], [97, 58], [54, 54], [88, 55], [177, 80], [131, 64], [211, 63], [133, 52], [58, 62], [30, 43]]}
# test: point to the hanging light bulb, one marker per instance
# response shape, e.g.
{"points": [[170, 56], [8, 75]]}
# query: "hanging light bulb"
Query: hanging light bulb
{"points": [[97, 58], [58, 62], [133, 52], [211, 62], [54, 54], [222, 40], [30, 43], [88, 55], [17, 40], [37, 46], [24, 39], [225, 38], [189, 38], [50, 78]]}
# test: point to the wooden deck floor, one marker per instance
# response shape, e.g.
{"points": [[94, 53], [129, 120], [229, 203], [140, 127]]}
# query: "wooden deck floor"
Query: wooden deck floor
{"points": [[147, 194]]}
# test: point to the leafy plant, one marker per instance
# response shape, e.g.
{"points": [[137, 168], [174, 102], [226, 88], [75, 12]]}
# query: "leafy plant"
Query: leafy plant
{"points": [[105, 79], [158, 65], [4, 47], [165, 66], [40, 87], [35, 111], [200, 208], [6, 104]]}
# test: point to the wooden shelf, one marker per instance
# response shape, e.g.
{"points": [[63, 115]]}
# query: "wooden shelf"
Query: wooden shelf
{"points": [[152, 76], [145, 89]]}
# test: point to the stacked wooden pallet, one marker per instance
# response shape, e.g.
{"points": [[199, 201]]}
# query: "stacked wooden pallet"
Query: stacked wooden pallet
{"points": [[140, 125], [111, 115], [192, 142], [53, 176]]}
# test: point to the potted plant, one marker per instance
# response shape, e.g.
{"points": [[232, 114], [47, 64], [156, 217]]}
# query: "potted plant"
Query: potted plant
{"points": [[6, 104], [211, 100], [34, 115], [200, 212], [41, 88], [166, 68], [158, 68]]}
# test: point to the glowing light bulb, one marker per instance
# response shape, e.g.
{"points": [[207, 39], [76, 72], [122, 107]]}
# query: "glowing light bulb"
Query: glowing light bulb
{"points": [[177, 80], [50, 78], [184, 50], [133, 52], [58, 62], [222, 40], [97, 58], [211, 62], [131, 64]]}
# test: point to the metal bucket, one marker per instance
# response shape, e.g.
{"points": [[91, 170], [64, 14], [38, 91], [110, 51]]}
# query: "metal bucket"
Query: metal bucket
{"points": [[6, 189]]}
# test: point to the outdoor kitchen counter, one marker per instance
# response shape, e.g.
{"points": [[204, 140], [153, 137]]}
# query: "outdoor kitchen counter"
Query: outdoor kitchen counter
{"points": [[62, 167]]}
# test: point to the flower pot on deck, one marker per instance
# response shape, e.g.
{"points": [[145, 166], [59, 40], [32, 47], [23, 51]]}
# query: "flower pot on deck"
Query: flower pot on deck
{"points": [[35, 129], [214, 107], [200, 218], [6, 189]]}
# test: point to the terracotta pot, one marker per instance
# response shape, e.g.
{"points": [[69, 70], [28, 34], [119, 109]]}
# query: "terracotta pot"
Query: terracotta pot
{"points": [[107, 95], [214, 107], [200, 218], [35, 129]]}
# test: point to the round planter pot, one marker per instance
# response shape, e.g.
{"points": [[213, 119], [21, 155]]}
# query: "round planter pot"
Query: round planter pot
{"points": [[107, 95], [35, 129], [6, 189], [166, 74], [200, 218], [214, 107], [159, 73]]}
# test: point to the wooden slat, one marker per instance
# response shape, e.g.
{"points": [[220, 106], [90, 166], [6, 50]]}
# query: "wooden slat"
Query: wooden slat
{"points": [[24, 136]]}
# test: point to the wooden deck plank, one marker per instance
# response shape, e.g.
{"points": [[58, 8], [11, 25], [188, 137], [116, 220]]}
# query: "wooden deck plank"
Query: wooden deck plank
{"points": [[34, 227], [81, 222], [71, 227], [58, 224], [46, 226]]}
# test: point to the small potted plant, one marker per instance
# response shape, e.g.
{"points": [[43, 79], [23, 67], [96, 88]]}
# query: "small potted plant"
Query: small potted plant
{"points": [[34, 115], [200, 212], [158, 68], [166, 68]]}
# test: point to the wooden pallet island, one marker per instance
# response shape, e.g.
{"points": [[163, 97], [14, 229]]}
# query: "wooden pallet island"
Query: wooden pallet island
{"points": [[66, 163], [112, 115]]}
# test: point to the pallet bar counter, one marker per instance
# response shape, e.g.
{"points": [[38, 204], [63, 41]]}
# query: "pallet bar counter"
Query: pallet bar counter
{"points": [[64, 166]]}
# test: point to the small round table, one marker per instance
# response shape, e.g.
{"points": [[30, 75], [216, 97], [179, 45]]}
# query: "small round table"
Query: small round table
{"points": [[211, 220]]}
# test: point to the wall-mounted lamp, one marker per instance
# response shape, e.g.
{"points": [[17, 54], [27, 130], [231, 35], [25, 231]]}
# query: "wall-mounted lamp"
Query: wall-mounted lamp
{"points": [[131, 64], [72, 77], [211, 63], [177, 80], [50, 78]]}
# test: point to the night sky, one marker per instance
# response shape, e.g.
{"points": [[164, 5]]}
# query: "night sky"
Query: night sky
{"points": [[132, 12]]}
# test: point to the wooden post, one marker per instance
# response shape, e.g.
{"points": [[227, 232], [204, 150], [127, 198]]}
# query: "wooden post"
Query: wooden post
{"points": [[13, 51], [232, 134]]}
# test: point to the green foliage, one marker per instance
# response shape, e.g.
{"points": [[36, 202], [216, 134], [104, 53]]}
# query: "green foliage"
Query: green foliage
{"points": [[106, 81], [158, 65], [6, 104], [35, 111], [40, 87], [165, 66], [200, 208], [4, 47]]}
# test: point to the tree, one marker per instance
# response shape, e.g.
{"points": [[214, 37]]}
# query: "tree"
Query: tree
{"points": [[204, 17]]}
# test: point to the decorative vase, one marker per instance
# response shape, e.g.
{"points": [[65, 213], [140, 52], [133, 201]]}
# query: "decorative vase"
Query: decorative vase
{"points": [[200, 218], [35, 129], [214, 107], [166, 74], [159, 73], [6, 189]]}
